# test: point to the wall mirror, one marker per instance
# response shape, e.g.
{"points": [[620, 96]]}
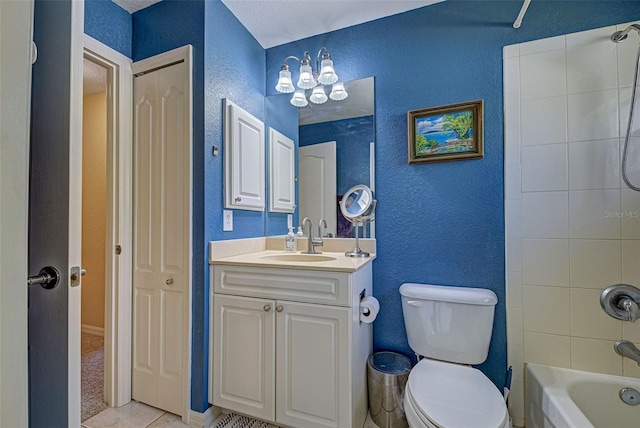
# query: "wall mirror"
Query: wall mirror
{"points": [[334, 152]]}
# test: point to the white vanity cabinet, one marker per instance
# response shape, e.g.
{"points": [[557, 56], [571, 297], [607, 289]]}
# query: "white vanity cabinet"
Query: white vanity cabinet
{"points": [[288, 346]]}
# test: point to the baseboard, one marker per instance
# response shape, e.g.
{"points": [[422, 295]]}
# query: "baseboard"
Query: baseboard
{"points": [[203, 420], [90, 329]]}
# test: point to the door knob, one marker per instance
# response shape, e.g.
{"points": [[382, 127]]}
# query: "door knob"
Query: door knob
{"points": [[169, 281], [279, 308], [266, 308], [48, 278]]}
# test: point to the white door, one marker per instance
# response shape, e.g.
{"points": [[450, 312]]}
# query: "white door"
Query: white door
{"points": [[313, 349], [243, 355], [318, 191], [162, 153]]}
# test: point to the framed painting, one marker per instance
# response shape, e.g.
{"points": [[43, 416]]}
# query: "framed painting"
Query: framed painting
{"points": [[445, 133]]}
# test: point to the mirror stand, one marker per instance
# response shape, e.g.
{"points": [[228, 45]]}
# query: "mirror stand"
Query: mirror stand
{"points": [[358, 206], [357, 252]]}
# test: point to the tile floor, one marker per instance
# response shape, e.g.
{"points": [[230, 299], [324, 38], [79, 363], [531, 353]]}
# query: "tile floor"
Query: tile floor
{"points": [[138, 415]]}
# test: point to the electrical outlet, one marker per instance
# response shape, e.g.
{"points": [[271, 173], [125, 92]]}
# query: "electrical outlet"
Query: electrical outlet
{"points": [[227, 220]]}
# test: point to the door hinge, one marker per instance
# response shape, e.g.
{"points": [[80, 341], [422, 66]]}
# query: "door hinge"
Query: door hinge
{"points": [[118, 250]]}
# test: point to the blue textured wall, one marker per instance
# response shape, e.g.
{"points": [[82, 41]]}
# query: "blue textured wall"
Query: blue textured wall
{"points": [[352, 137], [451, 230], [112, 25], [234, 68]]}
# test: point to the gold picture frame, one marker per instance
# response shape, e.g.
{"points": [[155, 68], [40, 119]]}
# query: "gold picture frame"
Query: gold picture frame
{"points": [[446, 133]]}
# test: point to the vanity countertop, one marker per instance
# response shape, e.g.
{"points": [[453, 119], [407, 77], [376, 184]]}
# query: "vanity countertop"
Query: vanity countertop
{"points": [[270, 259]]}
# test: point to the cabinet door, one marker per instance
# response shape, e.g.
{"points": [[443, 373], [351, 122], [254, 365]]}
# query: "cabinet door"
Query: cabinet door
{"points": [[282, 191], [312, 365], [243, 355], [244, 159]]}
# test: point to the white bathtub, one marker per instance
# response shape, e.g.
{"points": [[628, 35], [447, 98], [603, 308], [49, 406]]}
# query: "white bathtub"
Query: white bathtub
{"points": [[558, 397]]}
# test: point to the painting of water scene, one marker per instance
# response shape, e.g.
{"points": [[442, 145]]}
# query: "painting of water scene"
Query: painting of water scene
{"points": [[446, 133]]}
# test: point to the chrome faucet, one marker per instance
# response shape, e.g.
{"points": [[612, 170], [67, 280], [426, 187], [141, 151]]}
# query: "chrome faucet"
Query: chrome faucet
{"points": [[312, 242], [627, 349], [322, 225]]}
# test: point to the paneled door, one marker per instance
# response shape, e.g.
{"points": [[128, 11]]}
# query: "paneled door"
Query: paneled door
{"points": [[313, 349], [243, 355], [162, 153], [318, 189]]}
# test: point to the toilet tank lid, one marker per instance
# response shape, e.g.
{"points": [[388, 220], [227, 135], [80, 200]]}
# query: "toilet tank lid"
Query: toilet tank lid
{"points": [[445, 293]]}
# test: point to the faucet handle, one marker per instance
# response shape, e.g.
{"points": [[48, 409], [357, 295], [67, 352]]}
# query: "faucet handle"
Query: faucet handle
{"points": [[631, 307], [322, 225]]}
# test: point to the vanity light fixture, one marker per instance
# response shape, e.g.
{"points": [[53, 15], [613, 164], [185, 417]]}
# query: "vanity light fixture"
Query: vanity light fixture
{"points": [[311, 79]]}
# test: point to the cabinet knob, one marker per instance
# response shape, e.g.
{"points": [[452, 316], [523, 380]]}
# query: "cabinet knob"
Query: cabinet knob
{"points": [[169, 281], [266, 308], [279, 308], [238, 199]]}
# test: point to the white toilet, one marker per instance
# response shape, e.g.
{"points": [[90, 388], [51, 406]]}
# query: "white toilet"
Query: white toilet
{"points": [[451, 328]]}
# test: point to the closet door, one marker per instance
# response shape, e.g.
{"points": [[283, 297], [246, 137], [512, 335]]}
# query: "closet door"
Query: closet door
{"points": [[161, 237]]}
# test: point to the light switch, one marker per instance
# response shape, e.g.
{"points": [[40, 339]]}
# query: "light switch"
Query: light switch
{"points": [[227, 220]]}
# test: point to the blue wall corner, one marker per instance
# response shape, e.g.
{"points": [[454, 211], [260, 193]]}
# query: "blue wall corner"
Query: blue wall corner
{"points": [[112, 25]]}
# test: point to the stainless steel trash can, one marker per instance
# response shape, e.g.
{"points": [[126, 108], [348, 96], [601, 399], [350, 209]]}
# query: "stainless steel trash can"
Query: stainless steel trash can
{"points": [[387, 374]]}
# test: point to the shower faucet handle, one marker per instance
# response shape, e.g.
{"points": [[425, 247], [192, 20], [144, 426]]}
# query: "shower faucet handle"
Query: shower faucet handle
{"points": [[621, 302], [630, 306]]}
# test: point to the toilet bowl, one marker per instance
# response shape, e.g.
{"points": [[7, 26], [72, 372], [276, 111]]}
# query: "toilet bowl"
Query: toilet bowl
{"points": [[448, 395], [451, 328]]}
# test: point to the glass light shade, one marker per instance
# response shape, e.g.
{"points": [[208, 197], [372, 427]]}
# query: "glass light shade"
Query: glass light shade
{"points": [[299, 99], [338, 92], [318, 96], [327, 73], [285, 85], [306, 80]]}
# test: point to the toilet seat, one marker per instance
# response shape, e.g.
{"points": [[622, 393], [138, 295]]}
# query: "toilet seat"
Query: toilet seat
{"points": [[449, 395]]}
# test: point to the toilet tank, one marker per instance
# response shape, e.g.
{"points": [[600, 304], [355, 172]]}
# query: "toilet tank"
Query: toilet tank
{"points": [[448, 323]]}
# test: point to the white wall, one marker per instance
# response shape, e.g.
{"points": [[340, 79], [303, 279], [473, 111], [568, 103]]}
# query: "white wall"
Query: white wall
{"points": [[16, 24], [572, 226], [94, 208]]}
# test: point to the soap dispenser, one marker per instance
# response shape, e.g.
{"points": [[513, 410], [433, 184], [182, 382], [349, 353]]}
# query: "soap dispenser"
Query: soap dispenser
{"points": [[290, 244]]}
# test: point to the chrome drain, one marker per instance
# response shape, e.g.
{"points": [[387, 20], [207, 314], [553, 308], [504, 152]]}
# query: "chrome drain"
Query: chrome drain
{"points": [[630, 396]]}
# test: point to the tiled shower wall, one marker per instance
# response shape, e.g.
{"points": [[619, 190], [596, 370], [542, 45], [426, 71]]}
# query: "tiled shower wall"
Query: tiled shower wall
{"points": [[572, 226]]}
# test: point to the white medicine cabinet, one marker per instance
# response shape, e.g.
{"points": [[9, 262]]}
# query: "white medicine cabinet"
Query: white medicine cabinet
{"points": [[243, 159], [282, 196]]}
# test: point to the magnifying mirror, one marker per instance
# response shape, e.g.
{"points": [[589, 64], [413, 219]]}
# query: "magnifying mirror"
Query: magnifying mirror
{"points": [[358, 206]]}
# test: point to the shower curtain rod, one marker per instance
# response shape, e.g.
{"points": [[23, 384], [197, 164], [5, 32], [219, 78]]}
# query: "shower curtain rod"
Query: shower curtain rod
{"points": [[523, 10]]}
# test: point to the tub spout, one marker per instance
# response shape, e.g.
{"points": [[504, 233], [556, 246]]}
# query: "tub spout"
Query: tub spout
{"points": [[627, 349]]}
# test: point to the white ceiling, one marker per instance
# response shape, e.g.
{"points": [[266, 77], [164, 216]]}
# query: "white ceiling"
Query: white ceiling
{"points": [[134, 5], [275, 22], [95, 78]]}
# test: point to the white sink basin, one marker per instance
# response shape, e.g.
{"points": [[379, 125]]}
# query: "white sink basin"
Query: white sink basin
{"points": [[299, 258]]}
